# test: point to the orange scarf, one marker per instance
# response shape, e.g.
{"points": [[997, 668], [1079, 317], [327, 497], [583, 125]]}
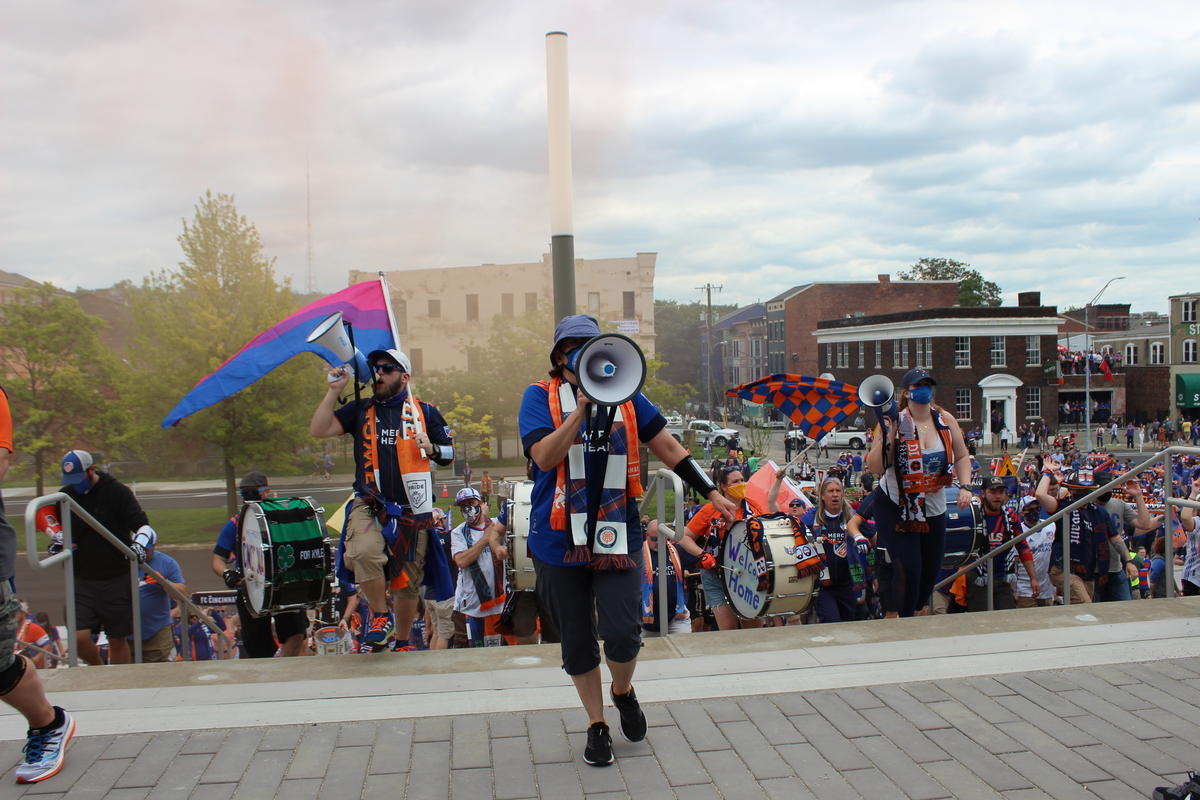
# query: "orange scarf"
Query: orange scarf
{"points": [[569, 507], [411, 460]]}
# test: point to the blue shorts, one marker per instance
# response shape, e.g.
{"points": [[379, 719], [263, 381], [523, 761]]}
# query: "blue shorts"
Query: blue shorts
{"points": [[714, 588]]}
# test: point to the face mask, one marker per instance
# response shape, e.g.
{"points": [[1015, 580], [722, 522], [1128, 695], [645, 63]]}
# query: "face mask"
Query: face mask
{"points": [[736, 492], [921, 394], [471, 513]]}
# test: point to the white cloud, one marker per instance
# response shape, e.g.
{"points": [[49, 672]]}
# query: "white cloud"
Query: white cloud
{"points": [[755, 145]]}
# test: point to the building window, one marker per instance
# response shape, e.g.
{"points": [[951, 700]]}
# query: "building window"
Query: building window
{"points": [[1033, 351], [878, 354], [962, 403], [900, 353], [998, 359], [862, 355], [1131, 353], [418, 360], [925, 353], [435, 309], [627, 309], [962, 351], [1189, 351], [400, 308], [506, 304], [530, 302], [594, 302], [843, 355], [1189, 310], [828, 356], [472, 308], [1158, 353], [735, 348], [1033, 402]]}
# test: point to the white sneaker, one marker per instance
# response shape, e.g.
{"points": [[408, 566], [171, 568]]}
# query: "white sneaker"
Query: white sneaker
{"points": [[45, 752]]}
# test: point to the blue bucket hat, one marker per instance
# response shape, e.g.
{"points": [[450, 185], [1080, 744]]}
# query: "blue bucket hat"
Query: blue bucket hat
{"points": [[575, 326]]}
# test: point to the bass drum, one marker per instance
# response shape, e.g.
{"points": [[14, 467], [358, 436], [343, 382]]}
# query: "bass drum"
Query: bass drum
{"points": [[521, 576], [286, 560], [785, 590], [965, 540]]}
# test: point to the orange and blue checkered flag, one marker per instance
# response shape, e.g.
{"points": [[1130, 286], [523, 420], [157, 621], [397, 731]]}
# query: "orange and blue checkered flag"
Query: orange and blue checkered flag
{"points": [[816, 405]]}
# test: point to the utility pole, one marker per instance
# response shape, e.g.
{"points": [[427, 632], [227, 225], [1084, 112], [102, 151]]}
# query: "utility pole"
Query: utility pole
{"points": [[708, 348]]}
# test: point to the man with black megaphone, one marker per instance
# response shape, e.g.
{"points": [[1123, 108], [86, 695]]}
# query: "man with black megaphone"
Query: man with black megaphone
{"points": [[585, 535], [917, 453]]}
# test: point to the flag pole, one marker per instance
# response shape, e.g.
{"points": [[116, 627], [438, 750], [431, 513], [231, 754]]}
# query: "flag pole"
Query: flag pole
{"points": [[387, 300]]}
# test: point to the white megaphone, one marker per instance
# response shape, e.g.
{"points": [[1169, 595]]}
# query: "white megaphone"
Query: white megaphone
{"points": [[611, 369], [331, 334], [879, 393]]}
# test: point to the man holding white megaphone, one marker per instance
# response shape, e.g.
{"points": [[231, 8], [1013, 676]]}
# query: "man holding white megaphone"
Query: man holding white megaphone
{"points": [[585, 535]]}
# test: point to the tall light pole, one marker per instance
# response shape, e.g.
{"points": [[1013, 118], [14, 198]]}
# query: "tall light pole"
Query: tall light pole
{"points": [[1087, 366]]}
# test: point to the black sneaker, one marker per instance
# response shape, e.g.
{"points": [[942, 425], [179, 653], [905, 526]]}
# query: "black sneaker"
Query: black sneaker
{"points": [[633, 721], [598, 752], [1188, 790]]}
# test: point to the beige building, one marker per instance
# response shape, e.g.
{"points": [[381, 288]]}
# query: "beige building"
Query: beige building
{"points": [[441, 312]]}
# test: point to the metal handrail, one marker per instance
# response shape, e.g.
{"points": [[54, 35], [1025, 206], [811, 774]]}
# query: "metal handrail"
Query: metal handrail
{"points": [[68, 553], [654, 490], [1170, 503]]}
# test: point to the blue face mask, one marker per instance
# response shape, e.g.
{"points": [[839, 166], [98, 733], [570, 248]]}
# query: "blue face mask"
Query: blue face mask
{"points": [[921, 394]]}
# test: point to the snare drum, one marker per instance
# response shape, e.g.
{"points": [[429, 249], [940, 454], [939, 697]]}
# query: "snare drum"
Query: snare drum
{"points": [[785, 591], [964, 532], [286, 560], [521, 576]]}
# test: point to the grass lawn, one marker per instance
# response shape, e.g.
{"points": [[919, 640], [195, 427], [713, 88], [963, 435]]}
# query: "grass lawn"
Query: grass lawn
{"points": [[202, 525]]}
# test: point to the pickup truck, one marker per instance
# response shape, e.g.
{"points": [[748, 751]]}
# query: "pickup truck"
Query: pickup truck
{"points": [[854, 438], [717, 436]]}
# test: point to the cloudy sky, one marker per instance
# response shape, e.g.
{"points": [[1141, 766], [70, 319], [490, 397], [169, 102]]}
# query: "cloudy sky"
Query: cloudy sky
{"points": [[757, 145]]}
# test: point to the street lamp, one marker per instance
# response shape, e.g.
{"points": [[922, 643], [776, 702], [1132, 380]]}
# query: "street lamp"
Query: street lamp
{"points": [[1087, 366]]}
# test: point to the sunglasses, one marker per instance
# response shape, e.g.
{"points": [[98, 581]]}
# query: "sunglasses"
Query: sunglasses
{"points": [[387, 369]]}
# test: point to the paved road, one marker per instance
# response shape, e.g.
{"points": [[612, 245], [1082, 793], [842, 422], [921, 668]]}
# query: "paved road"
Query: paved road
{"points": [[1099, 732]]}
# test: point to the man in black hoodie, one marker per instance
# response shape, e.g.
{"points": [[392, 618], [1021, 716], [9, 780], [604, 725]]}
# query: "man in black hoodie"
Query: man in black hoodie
{"points": [[102, 591]]}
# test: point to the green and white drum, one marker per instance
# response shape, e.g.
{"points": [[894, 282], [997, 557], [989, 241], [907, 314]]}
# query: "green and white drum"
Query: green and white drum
{"points": [[286, 559]]}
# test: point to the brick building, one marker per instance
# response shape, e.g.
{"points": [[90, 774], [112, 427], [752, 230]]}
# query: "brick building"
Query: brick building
{"points": [[740, 345], [792, 316], [987, 361], [1184, 356], [445, 313]]}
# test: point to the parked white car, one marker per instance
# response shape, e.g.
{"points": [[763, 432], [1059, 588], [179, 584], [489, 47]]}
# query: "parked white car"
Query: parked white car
{"points": [[854, 438], [717, 436]]}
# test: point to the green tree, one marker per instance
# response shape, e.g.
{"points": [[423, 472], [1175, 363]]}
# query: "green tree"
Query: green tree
{"points": [[62, 384], [669, 397], [472, 431], [679, 344], [973, 288], [190, 320]]}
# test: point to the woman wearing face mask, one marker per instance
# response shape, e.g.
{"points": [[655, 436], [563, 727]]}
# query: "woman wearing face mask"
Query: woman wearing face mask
{"points": [[925, 453], [709, 528]]}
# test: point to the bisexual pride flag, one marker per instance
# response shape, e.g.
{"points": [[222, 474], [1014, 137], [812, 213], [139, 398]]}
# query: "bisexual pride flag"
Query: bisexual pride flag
{"points": [[816, 405], [363, 305]]}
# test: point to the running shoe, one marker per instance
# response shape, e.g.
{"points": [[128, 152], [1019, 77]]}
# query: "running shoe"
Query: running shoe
{"points": [[598, 752], [45, 750], [1188, 790], [380, 631], [633, 721]]}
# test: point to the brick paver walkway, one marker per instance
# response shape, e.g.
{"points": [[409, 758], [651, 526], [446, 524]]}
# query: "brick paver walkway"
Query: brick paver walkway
{"points": [[1109, 732]]}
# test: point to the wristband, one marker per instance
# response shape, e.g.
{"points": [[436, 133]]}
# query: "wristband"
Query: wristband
{"points": [[691, 474]]}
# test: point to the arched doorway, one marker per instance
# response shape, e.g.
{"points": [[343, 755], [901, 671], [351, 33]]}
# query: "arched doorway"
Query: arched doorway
{"points": [[999, 404]]}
